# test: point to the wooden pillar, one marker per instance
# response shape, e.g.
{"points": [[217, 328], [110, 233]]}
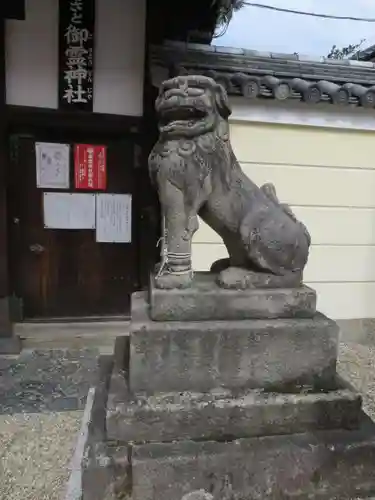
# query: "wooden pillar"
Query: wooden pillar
{"points": [[150, 220], [8, 343]]}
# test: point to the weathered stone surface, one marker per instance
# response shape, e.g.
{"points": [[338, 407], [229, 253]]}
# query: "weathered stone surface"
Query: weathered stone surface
{"points": [[196, 172], [220, 414], [320, 466], [317, 465], [199, 356], [205, 300]]}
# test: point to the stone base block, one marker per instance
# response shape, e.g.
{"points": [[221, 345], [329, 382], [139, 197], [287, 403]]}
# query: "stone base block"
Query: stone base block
{"points": [[223, 415], [199, 356], [206, 301], [316, 466]]}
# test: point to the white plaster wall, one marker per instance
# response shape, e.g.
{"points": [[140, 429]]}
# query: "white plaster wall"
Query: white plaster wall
{"points": [[32, 56], [119, 56], [327, 175]]}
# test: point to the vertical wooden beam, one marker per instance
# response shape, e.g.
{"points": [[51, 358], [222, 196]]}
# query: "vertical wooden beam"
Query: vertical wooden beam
{"points": [[149, 224], [3, 157], [8, 343]]}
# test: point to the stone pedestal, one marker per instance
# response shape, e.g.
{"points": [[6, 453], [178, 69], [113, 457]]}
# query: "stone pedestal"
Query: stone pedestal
{"points": [[205, 300], [248, 407]]}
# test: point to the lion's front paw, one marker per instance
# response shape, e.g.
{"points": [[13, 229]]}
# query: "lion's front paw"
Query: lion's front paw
{"points": [[168, 281]]}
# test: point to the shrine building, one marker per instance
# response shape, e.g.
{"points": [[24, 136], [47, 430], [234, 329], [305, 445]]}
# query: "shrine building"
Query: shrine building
{"points": [[79, 220]]}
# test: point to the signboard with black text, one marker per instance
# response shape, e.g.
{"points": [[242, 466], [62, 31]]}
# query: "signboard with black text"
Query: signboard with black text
{"points": [[76, 54]]}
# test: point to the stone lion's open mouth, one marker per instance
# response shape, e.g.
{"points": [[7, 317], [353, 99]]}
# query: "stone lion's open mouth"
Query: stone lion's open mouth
{"points": [[172, 115]]}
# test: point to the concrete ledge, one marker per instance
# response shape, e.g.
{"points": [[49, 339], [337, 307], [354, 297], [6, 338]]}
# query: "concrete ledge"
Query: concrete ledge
{"points": [[99, 469], [203, 355], [105, 464], [56, 335], [84, 329], [74, 487]]}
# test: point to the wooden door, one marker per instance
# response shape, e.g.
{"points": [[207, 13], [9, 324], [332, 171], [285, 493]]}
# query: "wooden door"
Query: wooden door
{"points": [[61, 272]]}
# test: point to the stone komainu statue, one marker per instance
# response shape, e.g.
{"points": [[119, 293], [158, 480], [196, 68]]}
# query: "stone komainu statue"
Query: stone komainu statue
{"points": [[196, 173]]}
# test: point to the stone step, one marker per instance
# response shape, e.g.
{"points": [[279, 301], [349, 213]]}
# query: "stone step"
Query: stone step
{"points": [[199, 356], [55, 331], [222, 414], [206, 301], [321, 465], [100, 334]]}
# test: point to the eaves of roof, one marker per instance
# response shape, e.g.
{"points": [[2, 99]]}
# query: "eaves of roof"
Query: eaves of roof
{"points": [[255, 74], [367, 54]]}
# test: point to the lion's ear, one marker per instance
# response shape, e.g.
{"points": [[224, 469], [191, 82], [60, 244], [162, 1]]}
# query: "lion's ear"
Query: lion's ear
{"points": [[222, 101]]}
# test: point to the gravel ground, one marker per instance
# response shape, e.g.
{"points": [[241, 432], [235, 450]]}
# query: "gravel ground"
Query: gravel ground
{"points": [[357, 365], [35, 452], [42, 396], [36, 448]]}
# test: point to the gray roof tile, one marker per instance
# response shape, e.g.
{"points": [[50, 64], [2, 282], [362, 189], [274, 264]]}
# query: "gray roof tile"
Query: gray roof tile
{"points": [[229, 50], [288, 57], [309, 58], [200, 47], [311, 79], [364, 64]]}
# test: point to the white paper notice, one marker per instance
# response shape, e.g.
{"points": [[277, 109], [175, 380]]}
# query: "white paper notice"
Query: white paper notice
{"points": [[52, 165], [113, 218], [69, 210]]}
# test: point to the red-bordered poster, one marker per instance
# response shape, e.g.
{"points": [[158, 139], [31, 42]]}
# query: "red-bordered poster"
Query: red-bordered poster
{"points": [[90, 167]]}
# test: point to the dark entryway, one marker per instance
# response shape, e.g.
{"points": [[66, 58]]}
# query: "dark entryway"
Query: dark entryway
{"points": [[66, 273]]}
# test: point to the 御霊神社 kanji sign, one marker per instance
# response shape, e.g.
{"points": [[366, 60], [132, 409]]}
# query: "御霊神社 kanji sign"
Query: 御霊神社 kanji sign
{"points": [[76, 46]]}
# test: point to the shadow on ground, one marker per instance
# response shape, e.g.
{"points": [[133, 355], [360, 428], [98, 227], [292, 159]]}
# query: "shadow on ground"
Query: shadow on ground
{"points": [[47, 380]]}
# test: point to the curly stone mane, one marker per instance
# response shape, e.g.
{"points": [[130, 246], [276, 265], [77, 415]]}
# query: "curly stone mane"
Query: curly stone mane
{"points": [[193, 158]]}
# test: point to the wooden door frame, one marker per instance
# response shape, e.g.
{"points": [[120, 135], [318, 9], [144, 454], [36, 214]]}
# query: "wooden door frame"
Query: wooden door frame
{"points": [[24, 120], [5, 321]]}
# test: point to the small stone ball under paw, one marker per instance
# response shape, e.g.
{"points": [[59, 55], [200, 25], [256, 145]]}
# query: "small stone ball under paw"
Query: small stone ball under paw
{"points": [[198, 495], [169, 281], [234, 278]]}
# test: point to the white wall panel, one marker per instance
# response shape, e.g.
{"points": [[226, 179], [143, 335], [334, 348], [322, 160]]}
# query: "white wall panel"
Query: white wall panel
{"points": [[298, 145], [328, 178], [341, 264], [294, 112], [32, 56], [326, 263], [346, 300], [317, 186], [342, 226], [203, 255], [119, 56]]}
